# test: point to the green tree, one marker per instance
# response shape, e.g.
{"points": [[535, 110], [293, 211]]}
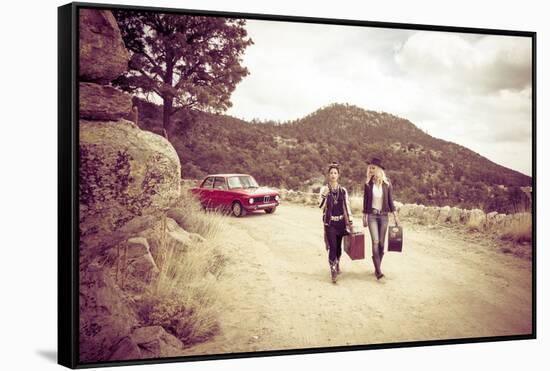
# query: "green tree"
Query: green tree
{"points": [[190, 62]]}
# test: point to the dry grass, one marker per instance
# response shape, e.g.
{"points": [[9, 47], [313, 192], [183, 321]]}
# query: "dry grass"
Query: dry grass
{"points": [[519, 230], [474, 225], [190, 216], [184, 297]]}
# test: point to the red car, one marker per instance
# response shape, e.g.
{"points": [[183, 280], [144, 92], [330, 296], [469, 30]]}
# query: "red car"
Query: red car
{"points": [[239, 193]]}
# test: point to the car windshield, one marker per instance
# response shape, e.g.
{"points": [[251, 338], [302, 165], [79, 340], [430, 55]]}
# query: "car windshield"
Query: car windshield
{"points": [[245, 181]]}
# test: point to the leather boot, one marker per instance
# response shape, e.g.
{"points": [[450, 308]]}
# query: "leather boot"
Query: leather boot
{"points": [[338, 267], [333, 272], [378, 273]]}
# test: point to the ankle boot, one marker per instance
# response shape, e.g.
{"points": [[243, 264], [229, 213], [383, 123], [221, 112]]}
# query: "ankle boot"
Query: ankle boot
{"points": [[378, 273], [333, 272]]}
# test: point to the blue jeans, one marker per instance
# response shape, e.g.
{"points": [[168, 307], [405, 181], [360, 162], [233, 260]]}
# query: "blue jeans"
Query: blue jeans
{"points": [[378, 226]]}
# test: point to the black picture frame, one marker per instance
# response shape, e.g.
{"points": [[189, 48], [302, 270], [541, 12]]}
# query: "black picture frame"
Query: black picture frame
{"points": [[68, 172]]}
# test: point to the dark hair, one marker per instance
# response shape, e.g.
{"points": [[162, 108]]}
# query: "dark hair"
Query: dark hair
{"points": [[333, 165]]}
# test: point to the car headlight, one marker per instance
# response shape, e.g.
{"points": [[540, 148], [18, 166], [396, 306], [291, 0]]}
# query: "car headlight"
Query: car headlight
{"points": [[250, 200], [276, 197]]}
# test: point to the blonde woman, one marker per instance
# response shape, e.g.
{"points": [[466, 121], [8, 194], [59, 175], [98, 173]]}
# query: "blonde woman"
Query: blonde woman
{"points": [[334, 201], [377, 203]]}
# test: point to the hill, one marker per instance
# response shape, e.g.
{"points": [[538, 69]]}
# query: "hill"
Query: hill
{"points": [[294, 155]]}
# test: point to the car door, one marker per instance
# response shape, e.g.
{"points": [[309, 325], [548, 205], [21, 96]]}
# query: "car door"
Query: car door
{"points": [[220, 192], [206, 191]]}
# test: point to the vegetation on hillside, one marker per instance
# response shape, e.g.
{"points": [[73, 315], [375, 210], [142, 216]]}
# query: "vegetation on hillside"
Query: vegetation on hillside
{"points": [[423, 169]]}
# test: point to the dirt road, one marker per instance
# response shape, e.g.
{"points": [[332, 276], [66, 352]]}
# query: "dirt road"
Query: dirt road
{"points": [[277, 292]]}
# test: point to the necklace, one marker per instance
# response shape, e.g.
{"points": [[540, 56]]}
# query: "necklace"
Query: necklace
{"points": [[335, 194]]}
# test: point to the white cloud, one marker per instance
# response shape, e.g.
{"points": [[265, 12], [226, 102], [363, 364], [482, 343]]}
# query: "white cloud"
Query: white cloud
{"points": [[474, 90]]}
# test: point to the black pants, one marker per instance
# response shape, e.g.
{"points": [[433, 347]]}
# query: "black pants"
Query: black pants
{"points": [[333, 238]]}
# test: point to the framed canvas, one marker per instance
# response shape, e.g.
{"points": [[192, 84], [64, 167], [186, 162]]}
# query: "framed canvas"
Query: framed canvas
{"points": [[243, 185]]}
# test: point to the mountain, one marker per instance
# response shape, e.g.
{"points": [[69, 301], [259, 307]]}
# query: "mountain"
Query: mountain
{"points": [[295, 154]]}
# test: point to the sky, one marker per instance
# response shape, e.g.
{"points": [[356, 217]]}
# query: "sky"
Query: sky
{"points": [[470, 89]]}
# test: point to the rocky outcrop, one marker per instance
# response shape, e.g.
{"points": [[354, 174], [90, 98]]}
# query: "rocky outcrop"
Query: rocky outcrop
{"points": [[141, 269], [147, 342], [106, 314], [102, 102], [429, 215], [103, 56], [128, 179]]}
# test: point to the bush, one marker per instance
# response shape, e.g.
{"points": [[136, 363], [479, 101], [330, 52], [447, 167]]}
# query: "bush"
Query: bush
{"points": [[190, 215], [183, 299], [519, 230]]}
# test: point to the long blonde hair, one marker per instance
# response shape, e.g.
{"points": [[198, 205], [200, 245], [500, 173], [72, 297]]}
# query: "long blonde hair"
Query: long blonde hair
{"points": [[383, 176]]}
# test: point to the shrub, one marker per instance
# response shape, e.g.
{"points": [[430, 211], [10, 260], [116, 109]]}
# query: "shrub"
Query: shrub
{"points": [[519, 230], [190, 215], [184, 296], [183, 299]]}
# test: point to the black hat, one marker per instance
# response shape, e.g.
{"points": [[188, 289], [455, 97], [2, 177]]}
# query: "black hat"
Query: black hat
{"points": [[377, 162], [334, 165]]}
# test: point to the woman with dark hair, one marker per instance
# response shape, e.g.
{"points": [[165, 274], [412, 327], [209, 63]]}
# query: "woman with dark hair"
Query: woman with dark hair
{"points": [[377, 203], [334, 201]]}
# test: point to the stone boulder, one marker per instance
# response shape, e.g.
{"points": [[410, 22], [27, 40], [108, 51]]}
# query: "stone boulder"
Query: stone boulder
{"points": [[398, 205], [177, 235], [406, 210], [418, 211], [141, 268], [465, 215], [106, 315], [103, 56], [430, 215], [454, 215], [444, 214], [147, 342], [128, 178], [102, 102], [477, 219]]}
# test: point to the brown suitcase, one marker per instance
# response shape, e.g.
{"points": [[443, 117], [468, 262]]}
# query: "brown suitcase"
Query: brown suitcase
{"points": [[354, 244], [395, 238]]}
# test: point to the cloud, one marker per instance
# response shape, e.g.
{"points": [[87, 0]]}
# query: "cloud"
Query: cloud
{"points": [[452, 61], [471, 89]]}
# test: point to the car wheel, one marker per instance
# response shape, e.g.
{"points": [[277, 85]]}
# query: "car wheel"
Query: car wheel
{"points": [[237, 209], [270, 210]]}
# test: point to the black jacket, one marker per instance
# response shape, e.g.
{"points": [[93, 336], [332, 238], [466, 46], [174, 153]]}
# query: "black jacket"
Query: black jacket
{"points": [[387, 198]]}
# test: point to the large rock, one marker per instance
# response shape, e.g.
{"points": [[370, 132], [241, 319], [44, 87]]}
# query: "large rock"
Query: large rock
{"points": [[418, 211], [147, 342], [430, 215], [140, 268], [465, 215], [398, 205], [102, 102], [128, 178], [103, 56], [454, 215], [444, 214], [105, 314], [405, 210], [177, 235], [477, 219]]}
